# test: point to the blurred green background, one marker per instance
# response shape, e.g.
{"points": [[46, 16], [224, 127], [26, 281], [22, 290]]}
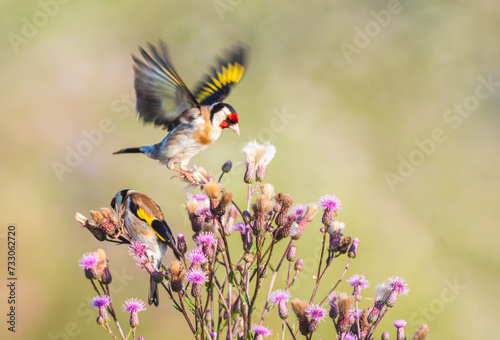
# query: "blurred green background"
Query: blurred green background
{"points": [[346, 90]]}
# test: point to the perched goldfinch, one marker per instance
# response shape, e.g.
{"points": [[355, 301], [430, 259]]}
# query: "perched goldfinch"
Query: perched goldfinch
{"points": [[145, 223], [194, 120]]}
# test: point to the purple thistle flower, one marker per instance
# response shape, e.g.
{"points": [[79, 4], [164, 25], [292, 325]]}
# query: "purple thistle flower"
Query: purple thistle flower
{"points": [[206, 238], [143, 262], [398, 284], [203, 212], [301, 215], [348, 336], [100, 301], [279, 295], [358, 280], [200, 197], [88, 260], [399, 323], [333, 297], [196, 276], [196, 256], [316, 312], [137, 250], [395, 286], [240, 226], [297, 210], [134, 306], [330, 202], [260, 330]]}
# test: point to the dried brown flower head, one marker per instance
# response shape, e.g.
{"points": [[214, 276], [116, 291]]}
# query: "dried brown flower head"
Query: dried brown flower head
{"points": [[421, 332]]}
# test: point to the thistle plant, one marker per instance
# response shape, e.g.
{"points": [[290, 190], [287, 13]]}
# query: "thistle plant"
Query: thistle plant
{"points": [[225, 284]]}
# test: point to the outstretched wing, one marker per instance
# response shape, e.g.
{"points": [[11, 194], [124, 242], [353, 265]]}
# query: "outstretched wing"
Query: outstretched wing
{"points": [[162, 97], [217, 85]]}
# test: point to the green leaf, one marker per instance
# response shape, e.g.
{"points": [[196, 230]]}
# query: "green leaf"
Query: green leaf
{"points": [[190, 304], [234, 314], [221, 303], [198, 332], [253, 248], [243, 299], [223, 324], [231, 277], [178, 308]]}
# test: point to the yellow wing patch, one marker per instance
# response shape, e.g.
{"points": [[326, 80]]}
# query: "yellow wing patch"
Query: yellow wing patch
{"points": [[227, 76], [143, 215], [231, 74]]}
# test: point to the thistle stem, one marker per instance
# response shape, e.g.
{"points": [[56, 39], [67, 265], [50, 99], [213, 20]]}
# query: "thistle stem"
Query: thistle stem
{"points": [[271, 285], [108, 329], [320, 276], [180, 307], [237, 207], [357, 318], [95, 287], [228, 308], [288, 275], [290, 330], [338, 282], [371, 331], [105, 289], [183, 308], [257, 284]]}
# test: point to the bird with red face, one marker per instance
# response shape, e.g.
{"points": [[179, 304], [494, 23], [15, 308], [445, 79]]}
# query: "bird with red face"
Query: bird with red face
{"points": [[194, 120]]}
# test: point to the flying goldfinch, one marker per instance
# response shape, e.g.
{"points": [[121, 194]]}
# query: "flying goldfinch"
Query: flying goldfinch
{"points": [[194, 120]]}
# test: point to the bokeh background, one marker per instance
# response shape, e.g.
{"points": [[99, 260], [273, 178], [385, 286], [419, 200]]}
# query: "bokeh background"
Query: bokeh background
{"points": [[346, 90]]}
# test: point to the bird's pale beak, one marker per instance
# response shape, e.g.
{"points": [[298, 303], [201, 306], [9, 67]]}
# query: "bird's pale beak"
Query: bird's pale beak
{"points": [[235, 128]]}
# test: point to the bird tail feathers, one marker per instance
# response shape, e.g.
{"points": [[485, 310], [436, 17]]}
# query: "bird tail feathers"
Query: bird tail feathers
{"points": [[128, 150], [153, 297]]}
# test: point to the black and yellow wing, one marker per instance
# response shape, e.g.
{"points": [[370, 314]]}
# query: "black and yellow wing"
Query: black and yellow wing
{"points": [[160, 227], [218, 83], [161, 96], [145, 209]]}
